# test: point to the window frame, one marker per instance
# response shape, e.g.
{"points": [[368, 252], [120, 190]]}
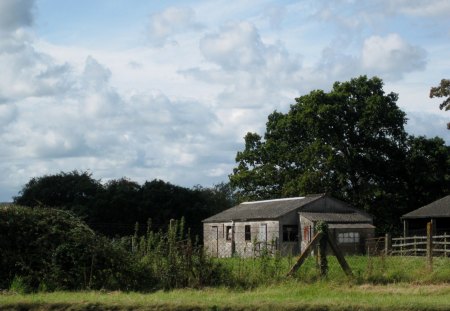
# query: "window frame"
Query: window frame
{"points": [[351, 237], [247, 232], [289, 233]]}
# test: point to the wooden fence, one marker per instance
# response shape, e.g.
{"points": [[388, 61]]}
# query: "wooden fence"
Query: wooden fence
{"points": [[429, 245], [418, 246]]}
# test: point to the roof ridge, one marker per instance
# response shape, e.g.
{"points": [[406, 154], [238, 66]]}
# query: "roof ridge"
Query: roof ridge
{"points": [[274, 200]]}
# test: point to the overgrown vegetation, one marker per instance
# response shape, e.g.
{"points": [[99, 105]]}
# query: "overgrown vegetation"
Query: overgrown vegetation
{"points": [[48, 249], [174, 259], [45, 249]]}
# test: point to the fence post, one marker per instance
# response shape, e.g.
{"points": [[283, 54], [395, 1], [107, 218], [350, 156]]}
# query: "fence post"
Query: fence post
{"points": [[445, 244], [430, 245], [322, 249], [415, 245], [387, 244]]}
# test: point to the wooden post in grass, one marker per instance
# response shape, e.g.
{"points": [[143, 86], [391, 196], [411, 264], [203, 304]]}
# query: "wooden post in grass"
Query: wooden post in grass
{"points": [[322, 249], [387, 244], [321, 238], [430, 245]]}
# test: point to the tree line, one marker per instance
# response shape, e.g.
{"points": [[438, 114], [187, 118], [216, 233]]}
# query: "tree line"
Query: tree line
{"points": [[113, 208]]}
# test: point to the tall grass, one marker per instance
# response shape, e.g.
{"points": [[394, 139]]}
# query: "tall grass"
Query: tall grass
{"points": [[174, 259], [266, 270]]}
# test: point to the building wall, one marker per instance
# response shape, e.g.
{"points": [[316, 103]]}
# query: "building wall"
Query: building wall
{"points": [[352, 247], [262, 234], [217, 244]]}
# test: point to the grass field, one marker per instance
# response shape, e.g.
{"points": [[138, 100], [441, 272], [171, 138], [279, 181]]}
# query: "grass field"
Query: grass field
{"points": [[290, 295], [391, 283]]}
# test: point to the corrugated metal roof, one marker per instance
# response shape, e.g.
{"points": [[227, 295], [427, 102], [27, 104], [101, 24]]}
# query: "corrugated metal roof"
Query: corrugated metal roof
{"points": [[347, 217], [269, 209], [437, 209]]}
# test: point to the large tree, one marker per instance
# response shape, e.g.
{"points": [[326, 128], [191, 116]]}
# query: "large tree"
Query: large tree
{"points": [[443, 90], [347, 142], [75, 191]]}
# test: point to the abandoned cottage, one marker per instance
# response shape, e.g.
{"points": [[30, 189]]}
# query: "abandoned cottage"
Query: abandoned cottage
{"points": [[286, 225]]}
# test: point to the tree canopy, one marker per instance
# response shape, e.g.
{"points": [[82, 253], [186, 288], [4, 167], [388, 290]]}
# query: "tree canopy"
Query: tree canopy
{"points": [[443, 90], [113, 208], [349, 142]]}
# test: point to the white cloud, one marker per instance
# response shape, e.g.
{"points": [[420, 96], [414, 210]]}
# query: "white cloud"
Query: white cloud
{"points": [[163, 26], [236, 46], [391, 56]]}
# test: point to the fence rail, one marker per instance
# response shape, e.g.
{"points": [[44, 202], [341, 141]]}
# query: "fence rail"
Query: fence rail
{"points": [[438, 245]]}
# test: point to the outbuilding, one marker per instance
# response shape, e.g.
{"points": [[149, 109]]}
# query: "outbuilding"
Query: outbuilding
{"points": [[437, 212], [285, 225]]}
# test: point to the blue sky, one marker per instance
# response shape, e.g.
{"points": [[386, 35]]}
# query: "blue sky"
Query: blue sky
{"points": [[168, 89]]}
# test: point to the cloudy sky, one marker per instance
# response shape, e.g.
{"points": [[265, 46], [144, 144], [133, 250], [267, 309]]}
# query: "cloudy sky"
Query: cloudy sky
{"points": [[168, 89]]}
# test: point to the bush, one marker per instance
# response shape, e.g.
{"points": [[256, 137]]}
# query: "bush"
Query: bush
{"points": [[51, 249]]}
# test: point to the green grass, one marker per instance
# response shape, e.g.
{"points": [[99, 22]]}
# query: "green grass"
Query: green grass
{"points": [[373, 270], [391, 283], [290, 295]]}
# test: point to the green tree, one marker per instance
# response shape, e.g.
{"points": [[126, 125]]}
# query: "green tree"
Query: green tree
{"points": [[427, 168], [443, 90], [74, 191], [116, 209], [348, 142]]}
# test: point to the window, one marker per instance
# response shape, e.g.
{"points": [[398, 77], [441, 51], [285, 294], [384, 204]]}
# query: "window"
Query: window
{"points": [[348, 237], [248, 233], [290, 233], [229, 231]]}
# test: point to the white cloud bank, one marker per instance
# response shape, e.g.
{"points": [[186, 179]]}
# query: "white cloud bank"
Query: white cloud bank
{"points": [[177, 106]]}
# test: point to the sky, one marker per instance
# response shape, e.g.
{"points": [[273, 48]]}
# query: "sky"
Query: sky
{"points": [[168, 89]]}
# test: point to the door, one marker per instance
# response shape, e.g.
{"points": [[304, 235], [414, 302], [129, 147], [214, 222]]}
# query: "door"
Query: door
{"points": [[262, 237]]}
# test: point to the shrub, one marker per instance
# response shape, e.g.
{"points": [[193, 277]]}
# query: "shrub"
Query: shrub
{"points": [[52, 249]]}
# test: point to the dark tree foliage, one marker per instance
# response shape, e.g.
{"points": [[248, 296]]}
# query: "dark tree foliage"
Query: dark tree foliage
{"points": [[115, 207], [349, 142], [427, 168], [75, 191]]}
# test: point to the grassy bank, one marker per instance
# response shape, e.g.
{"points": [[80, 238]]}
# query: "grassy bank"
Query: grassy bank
{"points": [[290, 295]]}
